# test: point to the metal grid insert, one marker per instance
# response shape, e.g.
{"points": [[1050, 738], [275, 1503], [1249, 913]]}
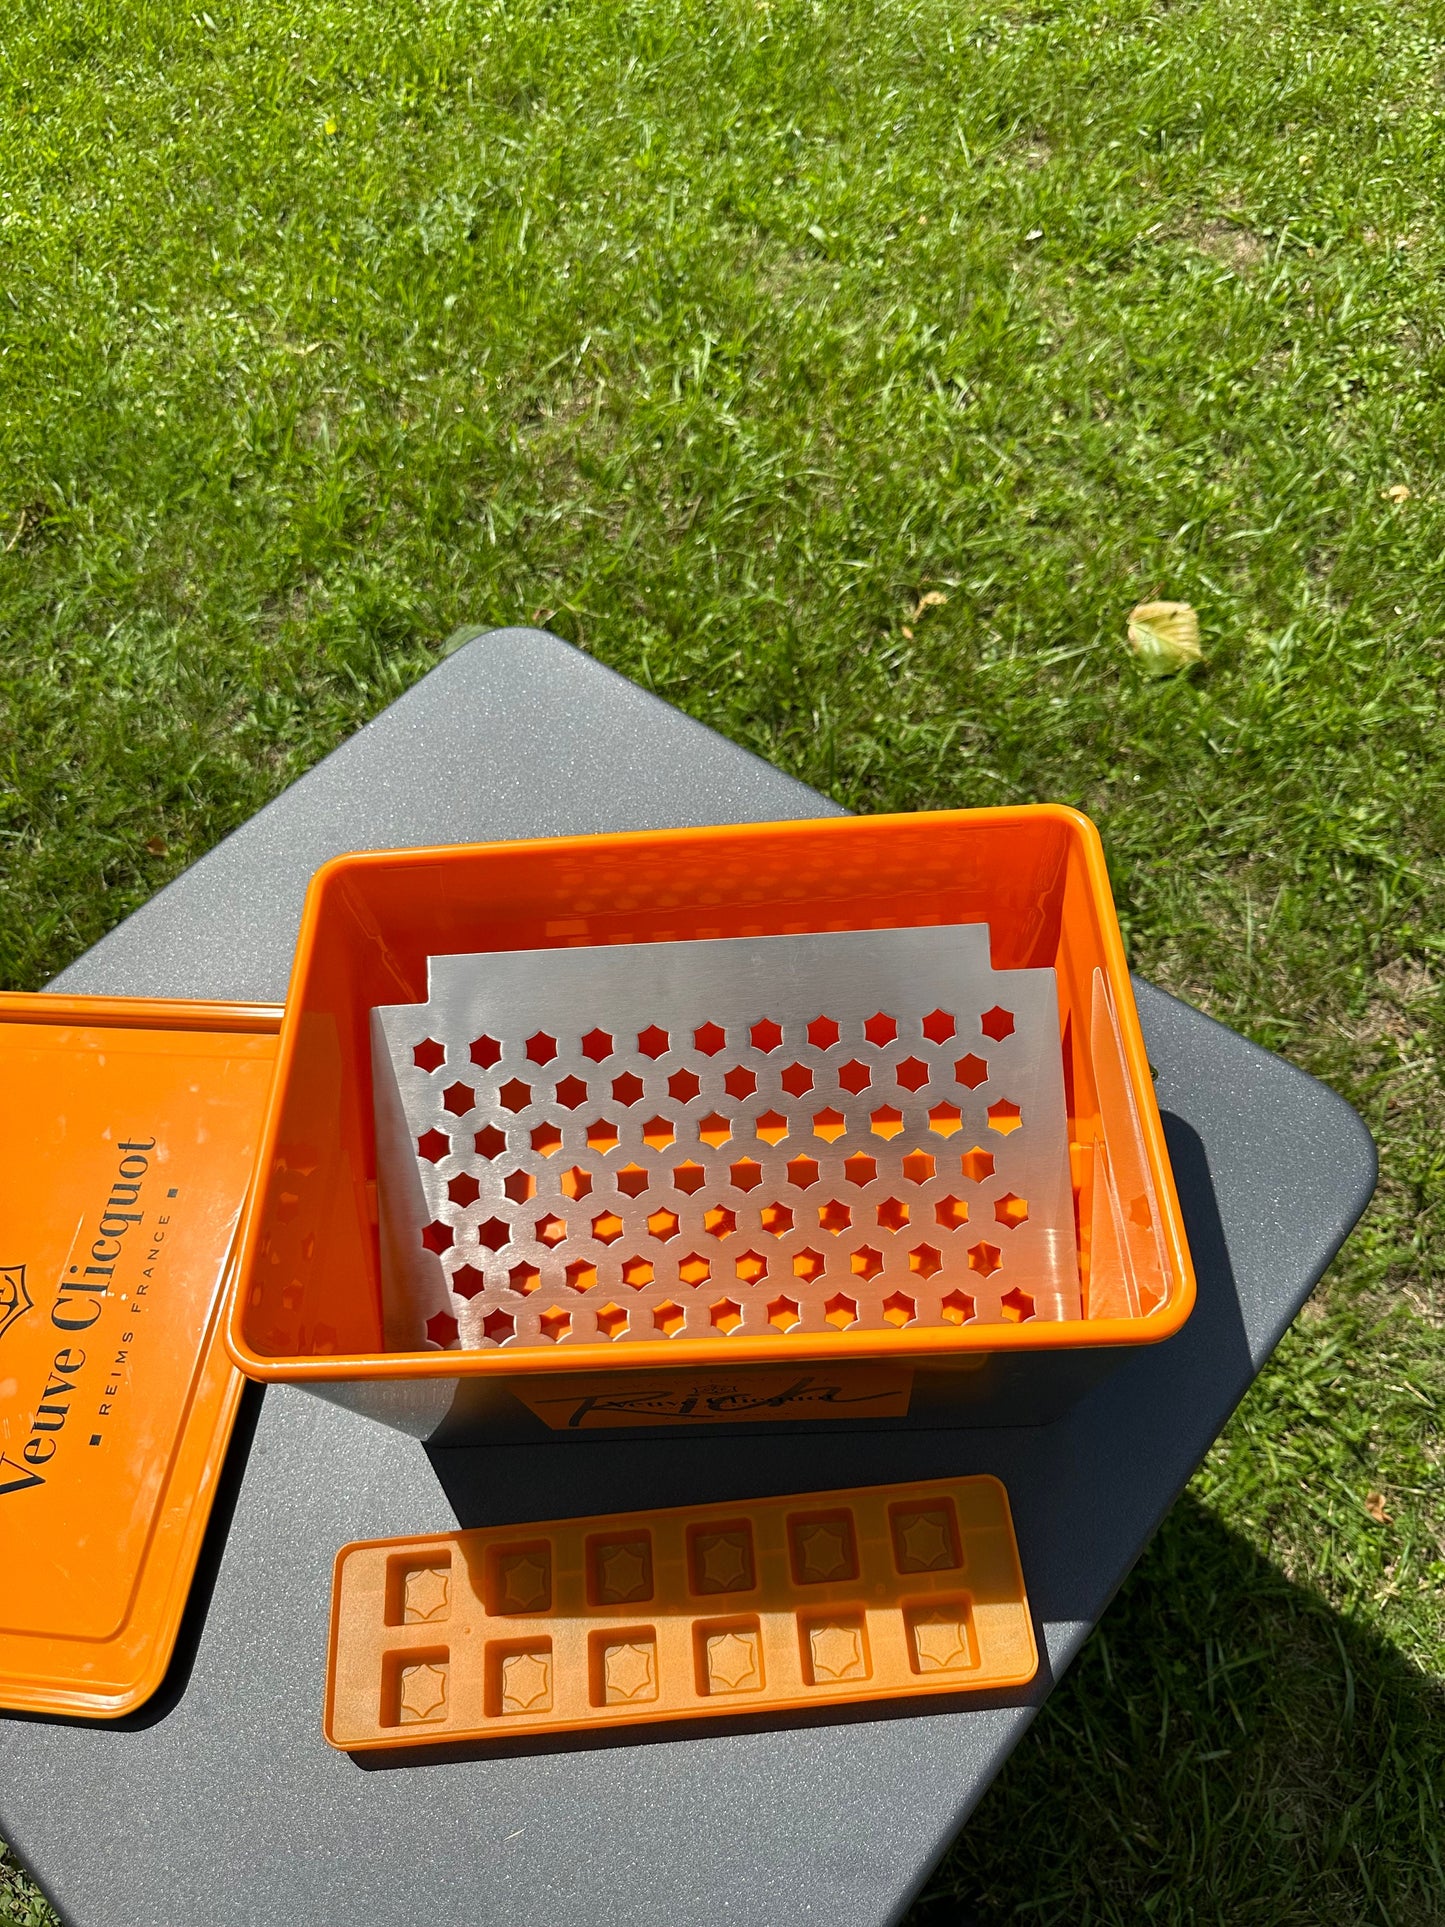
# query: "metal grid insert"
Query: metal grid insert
{"points": [[841, 1131]]}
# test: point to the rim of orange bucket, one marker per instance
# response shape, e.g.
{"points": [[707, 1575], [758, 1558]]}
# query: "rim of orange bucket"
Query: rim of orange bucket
{"points": [[655, 1355]]}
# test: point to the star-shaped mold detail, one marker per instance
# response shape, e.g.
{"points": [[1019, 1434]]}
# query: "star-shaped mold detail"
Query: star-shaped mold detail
{"points": [[423, 1693], [924, 1542], [526, 1683], [837, 1652], [523, 1583], [724, 1563], [629, 1671], [622, 1571], [426, 1593], [823, 1552], [941, 1643], [732, 1661]]}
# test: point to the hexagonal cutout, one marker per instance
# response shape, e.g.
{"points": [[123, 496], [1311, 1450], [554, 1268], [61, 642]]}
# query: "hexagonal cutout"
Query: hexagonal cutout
{"points": [[746, 1174], [486, 1053], [834, 1216], [576, 1183], [854, 1077], [550, 1230], [726, 1315], [720, 1558], [628, 1089], [653, 1042], [925, 1535], [1016, 1306], [919, 1166], [417, 1588], [607, 1228], [829, 1125], [797, 1080], [571, 1093], [822, 1547], [997, 1023], [977, 1164], [694, 1269], [925, 1261], [860, 1168], [841, 1312], [524, 1278], [776, 1218], [899, 1309], [771, 1126], [513, 1096], [663, 1224], [719, 1222], [809, 1265], [633, 1179], [710, 1039], [438, 1237], [740, 1083], [984, 1258], [546, 1140], [751, 1267], [441, 1330], [611, 1320], [881, 1030], [727, 1656], [892, 1214], [463, 1190], [714, 1129], [520, 1187], [517, 1677], [658, 1133], [499, 1326], [428, 1055], [597, 1045], [683, 1086], [689, 1176], [951, 1212], [823, 1033], [541, 1048], [467, 1282], [1004, 1117], [886, 1121], [865, 1262], [637, 1272], [956, 1309], [938, 1026], [461, 1098], [580, 1275], [765, 1035], [945, 1119], [912, 1074], [490, 1142], [668, 1318], [602, 1136], [619, 1568], [1011, 1210], [434, 1145], [783, 1314], [555, 1324], [802, 1172], [971, 1071]]}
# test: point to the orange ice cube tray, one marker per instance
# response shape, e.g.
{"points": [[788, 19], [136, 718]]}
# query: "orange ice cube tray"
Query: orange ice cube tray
{"points": [[762, 1605]]}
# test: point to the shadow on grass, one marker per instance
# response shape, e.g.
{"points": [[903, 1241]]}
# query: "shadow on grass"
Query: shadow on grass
{"points": [[1228, 1750]]}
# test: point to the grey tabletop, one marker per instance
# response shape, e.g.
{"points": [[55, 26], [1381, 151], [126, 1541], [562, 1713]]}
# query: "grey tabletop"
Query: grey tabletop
{"points": [[221, 1804]]}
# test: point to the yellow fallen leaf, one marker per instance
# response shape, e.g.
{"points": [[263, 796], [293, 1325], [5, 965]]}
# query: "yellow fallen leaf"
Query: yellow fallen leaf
{"points": [[1165, 637], [1398, 492], [1375, 1506], [935, 599]]}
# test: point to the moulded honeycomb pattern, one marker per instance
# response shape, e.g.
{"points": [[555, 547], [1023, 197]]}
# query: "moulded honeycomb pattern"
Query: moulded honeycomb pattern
{"points": [[723, 1609], [828, 1132]]}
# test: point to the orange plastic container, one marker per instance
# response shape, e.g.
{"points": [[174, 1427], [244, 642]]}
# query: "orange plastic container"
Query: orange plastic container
{"points": [[307, 1304], [127, 1142], [755, 1607]]}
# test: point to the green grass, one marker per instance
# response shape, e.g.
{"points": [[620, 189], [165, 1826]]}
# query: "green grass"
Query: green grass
{"points": [[716, 336]]}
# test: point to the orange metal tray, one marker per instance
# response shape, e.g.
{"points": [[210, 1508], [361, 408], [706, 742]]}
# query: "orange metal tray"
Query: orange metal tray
{"points": [[763, 1605], [127, 1144]]}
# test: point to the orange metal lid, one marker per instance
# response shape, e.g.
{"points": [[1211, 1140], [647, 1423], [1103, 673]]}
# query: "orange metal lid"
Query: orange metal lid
{"points": [[128, 1138]]}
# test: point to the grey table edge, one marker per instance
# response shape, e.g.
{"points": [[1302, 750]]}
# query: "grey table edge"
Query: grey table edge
{"points": [[221, 1804]]}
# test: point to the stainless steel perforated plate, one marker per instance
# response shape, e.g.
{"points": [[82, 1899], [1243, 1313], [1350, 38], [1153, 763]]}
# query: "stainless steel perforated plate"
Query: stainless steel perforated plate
{"points": [[842, 1131]]}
